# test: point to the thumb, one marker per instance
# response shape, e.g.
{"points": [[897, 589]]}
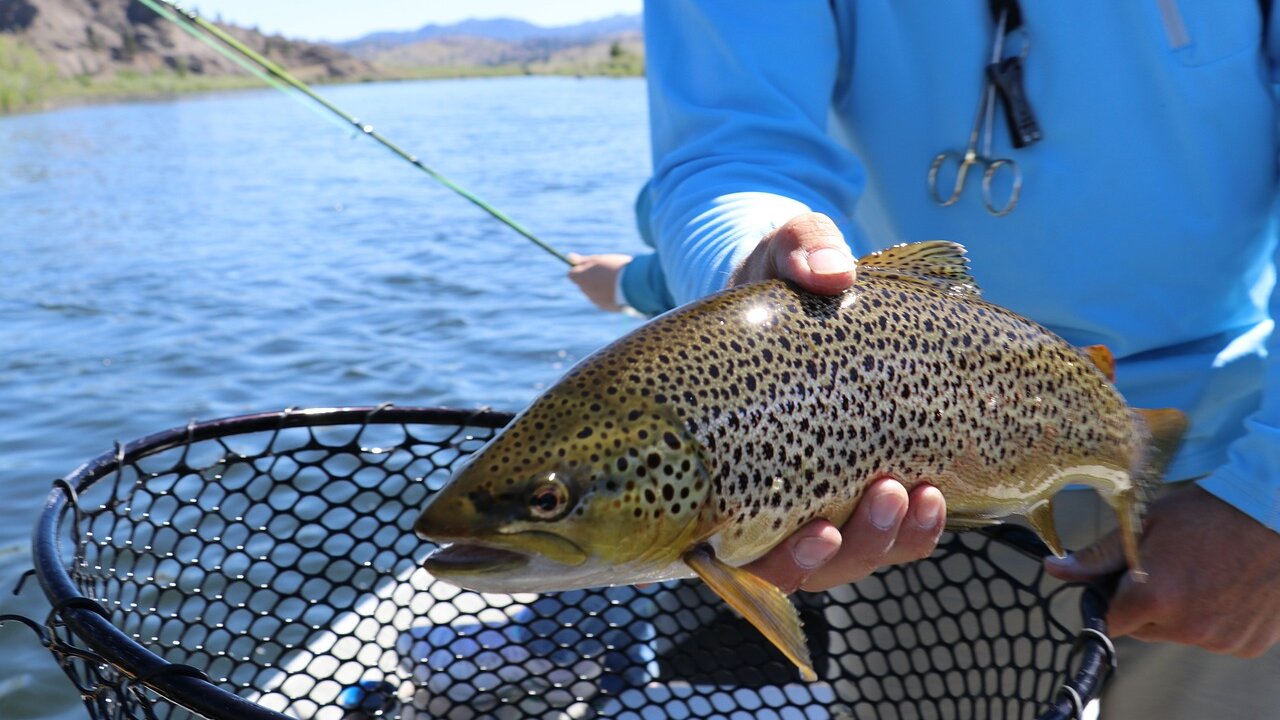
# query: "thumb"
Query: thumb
{"points": [[1102, 558], [810, 250]]}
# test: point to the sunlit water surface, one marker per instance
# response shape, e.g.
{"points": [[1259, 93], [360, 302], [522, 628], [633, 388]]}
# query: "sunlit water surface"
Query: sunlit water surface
{"points": [[234, 253]]}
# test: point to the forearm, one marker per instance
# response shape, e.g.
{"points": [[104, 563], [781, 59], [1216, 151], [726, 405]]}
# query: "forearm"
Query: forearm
{"points": [[740, 136]]}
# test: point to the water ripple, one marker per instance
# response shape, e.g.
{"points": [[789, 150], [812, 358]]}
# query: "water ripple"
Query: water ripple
{"points": [[172, 261]]}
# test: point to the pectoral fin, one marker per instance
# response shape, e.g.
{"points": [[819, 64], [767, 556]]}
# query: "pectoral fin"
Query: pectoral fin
{"points": [[761, 603]]}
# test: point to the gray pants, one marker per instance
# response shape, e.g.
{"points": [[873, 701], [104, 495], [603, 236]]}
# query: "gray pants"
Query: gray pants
{"points": [[1166, 681]]}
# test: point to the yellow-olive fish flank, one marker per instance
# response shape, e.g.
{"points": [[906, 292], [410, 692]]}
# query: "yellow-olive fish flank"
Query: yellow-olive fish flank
{"points": [[698, 442]]}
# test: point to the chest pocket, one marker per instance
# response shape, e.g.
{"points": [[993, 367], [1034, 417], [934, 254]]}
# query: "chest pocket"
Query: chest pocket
{"points": [[1204, 31]]}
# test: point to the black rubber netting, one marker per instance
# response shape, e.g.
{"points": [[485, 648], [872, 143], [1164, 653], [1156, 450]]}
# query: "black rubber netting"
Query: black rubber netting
{"points": [[265, 566]]}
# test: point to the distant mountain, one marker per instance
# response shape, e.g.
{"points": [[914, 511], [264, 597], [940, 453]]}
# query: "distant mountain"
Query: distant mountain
{"points": [[506, 30]]}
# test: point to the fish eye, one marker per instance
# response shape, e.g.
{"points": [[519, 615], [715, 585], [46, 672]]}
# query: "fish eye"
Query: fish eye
{"points": [[549, 499]]}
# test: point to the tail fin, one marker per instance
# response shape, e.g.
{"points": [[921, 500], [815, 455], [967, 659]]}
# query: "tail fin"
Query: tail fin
{"points": [[1165, 429]]}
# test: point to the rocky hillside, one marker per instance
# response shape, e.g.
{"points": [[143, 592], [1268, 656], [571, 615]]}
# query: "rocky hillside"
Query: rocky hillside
{"points": [[58, 52], [95, 38]]}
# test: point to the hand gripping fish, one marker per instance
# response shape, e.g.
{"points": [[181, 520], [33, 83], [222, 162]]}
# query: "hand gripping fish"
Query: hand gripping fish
{"points": [[701, 440]]}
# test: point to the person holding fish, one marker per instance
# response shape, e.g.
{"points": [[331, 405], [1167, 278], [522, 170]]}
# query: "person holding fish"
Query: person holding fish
{"points": [[1125, 196]]}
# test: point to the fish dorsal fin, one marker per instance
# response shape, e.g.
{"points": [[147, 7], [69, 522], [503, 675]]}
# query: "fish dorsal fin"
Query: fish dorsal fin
{"points": [[934, 262], [1101, 357]]}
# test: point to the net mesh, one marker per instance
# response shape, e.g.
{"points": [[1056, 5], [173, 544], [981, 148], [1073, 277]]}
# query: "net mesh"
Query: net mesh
{"points": [[281, 563]]}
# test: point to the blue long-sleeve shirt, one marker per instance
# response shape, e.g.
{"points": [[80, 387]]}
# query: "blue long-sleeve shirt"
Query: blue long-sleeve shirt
{"points": [[1146, 219]]}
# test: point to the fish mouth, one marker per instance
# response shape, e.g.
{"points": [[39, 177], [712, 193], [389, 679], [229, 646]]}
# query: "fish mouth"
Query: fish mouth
{"points": [[469, 559], [501, 554]]}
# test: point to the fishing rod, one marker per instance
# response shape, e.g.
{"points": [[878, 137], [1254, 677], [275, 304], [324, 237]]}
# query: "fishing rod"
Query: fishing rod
{"points": [[276, 76]]}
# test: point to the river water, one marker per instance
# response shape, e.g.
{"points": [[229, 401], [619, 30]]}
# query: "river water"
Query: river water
{"points": [[233, 253]]}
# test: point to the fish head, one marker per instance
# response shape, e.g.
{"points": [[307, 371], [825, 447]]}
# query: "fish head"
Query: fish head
{"points": [[562, 499]]}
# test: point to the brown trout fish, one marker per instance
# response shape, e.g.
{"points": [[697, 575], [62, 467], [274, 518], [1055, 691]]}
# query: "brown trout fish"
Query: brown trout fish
{"points": [[701, 440]]}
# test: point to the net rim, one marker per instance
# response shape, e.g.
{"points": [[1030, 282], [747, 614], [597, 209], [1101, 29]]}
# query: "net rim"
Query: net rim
{"points": [[84, 617], [182, 685]]}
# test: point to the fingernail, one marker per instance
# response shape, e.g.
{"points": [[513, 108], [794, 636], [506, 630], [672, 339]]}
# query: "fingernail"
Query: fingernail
{"points": [[884, 510], [1063, 563], [811, 552], [928, 515], [829, 261]]}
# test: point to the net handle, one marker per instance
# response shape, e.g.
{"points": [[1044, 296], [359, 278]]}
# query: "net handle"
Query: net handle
{"points": [[1096, 653]]}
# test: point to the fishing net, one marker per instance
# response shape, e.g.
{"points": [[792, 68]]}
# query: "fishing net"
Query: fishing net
{"points": [[265, 567]]}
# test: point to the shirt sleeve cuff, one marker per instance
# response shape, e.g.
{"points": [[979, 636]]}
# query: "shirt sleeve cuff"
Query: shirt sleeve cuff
{"points": [[642, 286]]}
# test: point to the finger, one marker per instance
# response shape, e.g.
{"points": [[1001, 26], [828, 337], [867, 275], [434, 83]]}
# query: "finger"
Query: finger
{"points": [[920, 529], [869, 535], [1140, 607], [810, 250], [1125, 616], [1102, 558], [575, 258], [1145, 633], [790, 563]]}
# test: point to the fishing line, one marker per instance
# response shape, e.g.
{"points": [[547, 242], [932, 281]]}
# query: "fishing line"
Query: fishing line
{"points": [[282, 79]]}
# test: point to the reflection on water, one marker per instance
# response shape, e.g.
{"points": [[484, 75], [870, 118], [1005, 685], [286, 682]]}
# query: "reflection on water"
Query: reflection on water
{"points": [[228, 254]]}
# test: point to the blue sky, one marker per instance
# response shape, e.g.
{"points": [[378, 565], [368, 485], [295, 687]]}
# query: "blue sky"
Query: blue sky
{"points": [[344, 20]]}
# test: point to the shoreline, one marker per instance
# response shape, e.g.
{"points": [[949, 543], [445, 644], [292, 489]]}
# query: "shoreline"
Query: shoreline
{"points": [[157, 87]]}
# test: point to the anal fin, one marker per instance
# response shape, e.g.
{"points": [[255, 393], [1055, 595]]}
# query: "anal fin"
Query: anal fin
{"points": [[1040, 518], [760, 602]]}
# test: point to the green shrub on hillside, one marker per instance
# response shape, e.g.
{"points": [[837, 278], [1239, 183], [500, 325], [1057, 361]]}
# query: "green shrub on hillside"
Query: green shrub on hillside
{"points": [[24, 77]]}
